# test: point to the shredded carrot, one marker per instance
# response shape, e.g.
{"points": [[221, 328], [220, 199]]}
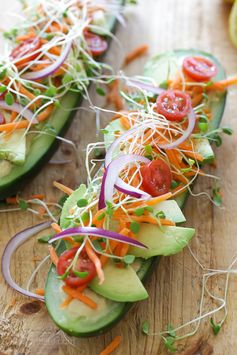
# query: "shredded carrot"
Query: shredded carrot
{"points": [[125, 122], [45, 114], [7, 127], [222, 84], [63, 188], [39, 291], [56, 227], [152, 220], [38, 196], [94, 258], [151, 202], [30, 34], [113, 97], [66, 302], [136, 53], [13, 116], [112, 346], [75, 293], [53, 255]]}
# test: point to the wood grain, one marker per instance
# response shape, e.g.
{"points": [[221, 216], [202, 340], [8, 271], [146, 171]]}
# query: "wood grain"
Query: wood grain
{"points": [[175, 287]]}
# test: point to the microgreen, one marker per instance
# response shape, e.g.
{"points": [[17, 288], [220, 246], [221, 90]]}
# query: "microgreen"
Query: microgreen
{"points": [[100, 91], [64, 276], [139, 211], [227, 130], [135, 227], [23, 205], [3, 88], [216, 195], [9, 99], [160, 214], [101, 216], [164, 85], [145, 327], [128, 259], [51, 91], [215, 327], [149, 209], [169, 343], [174, 184], [85, 217], [104, 131], [148, 149], [82, 202], [45, 238], [203, 126], [109, 209]]}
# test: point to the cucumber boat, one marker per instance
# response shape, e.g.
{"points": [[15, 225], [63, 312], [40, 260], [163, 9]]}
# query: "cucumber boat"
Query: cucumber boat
{"points": [[44, 79], [122, 286]]}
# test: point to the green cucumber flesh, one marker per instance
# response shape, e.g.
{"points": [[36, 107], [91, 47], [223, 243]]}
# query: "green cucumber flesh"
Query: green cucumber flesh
{"points": [[88, 327]]}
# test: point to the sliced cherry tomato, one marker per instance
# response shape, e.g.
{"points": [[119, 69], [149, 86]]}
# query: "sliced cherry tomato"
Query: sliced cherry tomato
{"points": [[26, 48], [199, 68], [156, 177], [96, 44], [173, 104], [83, 264]]}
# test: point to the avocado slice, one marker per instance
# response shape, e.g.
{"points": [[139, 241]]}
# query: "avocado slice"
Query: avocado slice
{"points": [[13, 147], [84, 327], [121, 284], [165, 240], [44, 146]]}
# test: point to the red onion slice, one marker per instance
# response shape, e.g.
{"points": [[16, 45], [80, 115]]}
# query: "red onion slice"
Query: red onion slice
{"points": [[40, 74], [186, 134], [23, 111], [110, 179], [11, 247], [96, 232], [145, 86]]}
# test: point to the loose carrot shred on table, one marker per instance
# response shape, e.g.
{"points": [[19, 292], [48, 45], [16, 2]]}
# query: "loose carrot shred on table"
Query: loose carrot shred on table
{"points": [[63, 188], [37, 196], [95, 259], [75, 293], [11, 200], [39, 291], [112, 346], [136, 53], [53, 255]]}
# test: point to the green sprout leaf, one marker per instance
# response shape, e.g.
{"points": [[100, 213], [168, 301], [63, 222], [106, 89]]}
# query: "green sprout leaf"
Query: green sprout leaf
{"points": [[216, 195], [135, 227], [203, 126], [227, 130], [80, 274], [171, 331], [164, 85], [215, 327], [148, 149], [101, 216], [9, 99], [169, 343], [100, 91], [45, 238], [139, 211], [160, 214], [82, 202], [23, 205], [145, 327], [128, 259]]}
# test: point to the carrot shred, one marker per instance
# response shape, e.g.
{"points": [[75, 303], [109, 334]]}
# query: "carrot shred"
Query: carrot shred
{"points": [[53, 255], [135, 53], [75, 293], [30, 34], [66, 302], [112, 346], [222, 84], [152, 220], [38, 196], [56, 227], [63, 188], [94, 258], [125, 122], [151, 202], [45, 114], [39, 291], [7, 127]]}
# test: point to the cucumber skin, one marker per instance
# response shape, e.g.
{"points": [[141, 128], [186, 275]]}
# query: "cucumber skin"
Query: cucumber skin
{"points": [[150, 264], [12, 188]]}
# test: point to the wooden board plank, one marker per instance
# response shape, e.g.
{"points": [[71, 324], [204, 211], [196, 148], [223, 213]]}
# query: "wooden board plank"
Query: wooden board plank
{"points": [[175, 287]]}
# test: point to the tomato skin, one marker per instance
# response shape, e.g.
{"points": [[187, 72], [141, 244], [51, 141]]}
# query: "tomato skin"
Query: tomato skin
{"points": [[156, 177], [173, 104], [199, 68], [96, 44], [83, 264], [25, 48]]}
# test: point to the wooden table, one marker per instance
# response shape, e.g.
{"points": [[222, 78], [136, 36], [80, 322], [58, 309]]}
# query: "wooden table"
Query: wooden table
{"points": [[25, 327]]}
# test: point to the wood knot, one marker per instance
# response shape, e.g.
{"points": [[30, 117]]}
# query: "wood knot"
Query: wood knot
{"points": [[30, 307]]}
